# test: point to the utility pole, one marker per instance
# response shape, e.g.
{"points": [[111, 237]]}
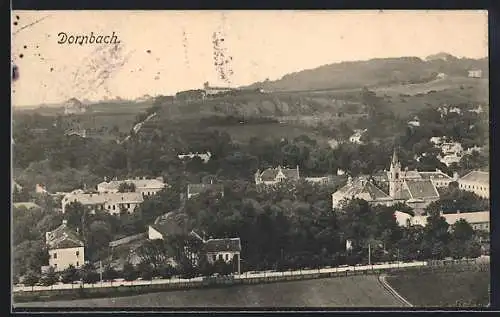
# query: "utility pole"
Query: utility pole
{"points": [[369, 254], [100, 270]]}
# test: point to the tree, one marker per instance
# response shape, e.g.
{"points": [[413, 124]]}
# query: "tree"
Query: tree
{"points": [[31, 278], [166, 271], [50, 277], [69, 275], [126, 188], [89, 274], [129, 272], [145, 270], [109, 273]]}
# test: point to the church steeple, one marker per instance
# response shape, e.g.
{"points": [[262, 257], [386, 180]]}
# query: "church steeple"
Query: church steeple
{"points": [[395, 180]]}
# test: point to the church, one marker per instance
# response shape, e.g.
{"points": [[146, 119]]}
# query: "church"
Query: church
{"points": [[414, 188]]}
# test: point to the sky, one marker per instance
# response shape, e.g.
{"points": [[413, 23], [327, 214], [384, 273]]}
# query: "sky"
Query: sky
{"points": [[162, 52]]}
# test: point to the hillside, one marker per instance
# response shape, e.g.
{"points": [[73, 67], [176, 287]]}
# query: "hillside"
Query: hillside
{"points": [[374, 72]]}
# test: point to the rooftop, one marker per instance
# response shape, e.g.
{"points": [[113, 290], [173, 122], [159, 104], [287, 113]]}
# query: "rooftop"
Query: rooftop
{"points": [[139, 183], [102, 198], [477, 177], [361, 188], [223, 245], [172, 223], [27, 205], [271, 173], [63, 237], [421, 189]]}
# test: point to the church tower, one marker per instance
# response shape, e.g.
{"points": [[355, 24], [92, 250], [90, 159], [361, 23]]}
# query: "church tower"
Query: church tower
{"points": [[395, 179]]}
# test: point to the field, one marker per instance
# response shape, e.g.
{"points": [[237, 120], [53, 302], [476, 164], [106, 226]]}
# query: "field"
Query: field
{"points": [[436, 85], [353, 291], [442, 289]]}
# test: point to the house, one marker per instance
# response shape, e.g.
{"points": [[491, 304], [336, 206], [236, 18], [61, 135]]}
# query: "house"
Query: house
{"points": [[477, 182], [478, 220], [324, 180], [112, 203], [449, 159], [72, 132], [196, 189], [146, 187], [415, 122], [438, 178], [190, 95], [475, 73], [40, 189], [479, 109], [272, 176], [360, 188], [356, 137], [437, 140], [227, 250], [451, 148], [27, 205], [211, 91], [65, 248], [205, 157], [74, 106], [413, 188], [441, 76], [169, 224]]}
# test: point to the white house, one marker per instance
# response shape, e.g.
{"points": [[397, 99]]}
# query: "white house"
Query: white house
{"points": [[146, 187], [272, 176], [477, 182], [449, 159], [475, 73], [478, 220], [74, 106], [356, 137], [205, 157], [112, 203], [226, 250], [65, 248]]}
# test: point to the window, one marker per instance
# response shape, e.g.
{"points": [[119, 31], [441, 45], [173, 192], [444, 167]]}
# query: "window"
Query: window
{"points": [[77, 264], [220, 256], [55, 265], [77, 253], [227, 257], [114, 207], [128, 205], [214, 257], [55, 255]]}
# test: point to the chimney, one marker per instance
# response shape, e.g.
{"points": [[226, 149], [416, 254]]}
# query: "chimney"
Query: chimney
{"points": [[65, 222]]}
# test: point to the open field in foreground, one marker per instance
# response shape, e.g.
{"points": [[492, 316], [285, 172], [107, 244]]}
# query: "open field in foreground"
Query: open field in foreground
{"points": [[352, 291], [442, 289]]}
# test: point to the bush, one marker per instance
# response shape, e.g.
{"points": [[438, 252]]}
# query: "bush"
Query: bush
{"points": [[129, 272], [31, 278], [166, 271], [88, 274], [69, 275], [109, 273], [145, 271], [49, 278]]}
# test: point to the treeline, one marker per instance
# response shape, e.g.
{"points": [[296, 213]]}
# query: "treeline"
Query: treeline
{"points": [[234, 120]]}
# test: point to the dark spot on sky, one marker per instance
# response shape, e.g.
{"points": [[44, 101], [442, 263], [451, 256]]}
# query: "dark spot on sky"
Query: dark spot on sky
{"points": [[21, 55], [15, 22], [25, 46], [17, 17], [52, 69], [37, 46], [148, 51]]}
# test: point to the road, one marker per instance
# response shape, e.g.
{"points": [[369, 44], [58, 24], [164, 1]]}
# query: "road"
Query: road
{"points": [[245, 275]]}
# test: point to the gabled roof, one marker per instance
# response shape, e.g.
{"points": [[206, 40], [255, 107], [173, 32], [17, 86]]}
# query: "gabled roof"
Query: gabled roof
{"points": [[435, 175], [271, 173], [361, 188], [223, 245], [63, 237], [477, 176], [470, 217], [420, 189], [103, 198], [200, 188], [139, 183], [27, 205]]}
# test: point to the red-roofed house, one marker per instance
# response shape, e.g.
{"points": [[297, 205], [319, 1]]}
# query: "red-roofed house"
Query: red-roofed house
{"points": [[272, 176], [65, 248]]}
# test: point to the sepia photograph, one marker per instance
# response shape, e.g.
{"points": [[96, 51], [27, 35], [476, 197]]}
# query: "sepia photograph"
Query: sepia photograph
{"points": [[278, 159]]}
